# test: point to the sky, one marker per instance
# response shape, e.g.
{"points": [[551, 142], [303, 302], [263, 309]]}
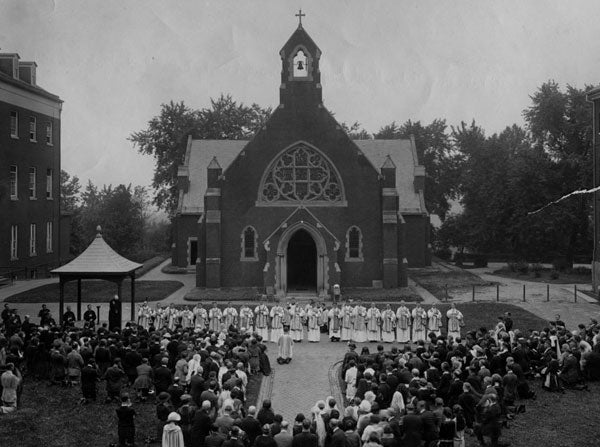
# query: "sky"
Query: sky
{"points": [[114, 62]]}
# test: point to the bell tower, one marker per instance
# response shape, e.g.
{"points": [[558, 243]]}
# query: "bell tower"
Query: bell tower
{"points": [[300, 74]]}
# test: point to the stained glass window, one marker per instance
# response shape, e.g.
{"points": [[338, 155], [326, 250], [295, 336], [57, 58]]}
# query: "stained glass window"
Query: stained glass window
{"points": [[301, 174]]}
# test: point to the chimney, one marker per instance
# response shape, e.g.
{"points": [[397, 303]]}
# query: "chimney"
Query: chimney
{"points": [[9, 64], [27, 72]]}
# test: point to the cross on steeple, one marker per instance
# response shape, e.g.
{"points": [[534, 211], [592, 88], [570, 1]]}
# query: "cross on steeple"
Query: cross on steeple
{"points": [[300, 15]]}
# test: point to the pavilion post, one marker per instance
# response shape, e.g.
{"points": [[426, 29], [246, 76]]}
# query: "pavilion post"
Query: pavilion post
{"points": [[61, 301], [133, 296], [78, 299], [120, 295]]}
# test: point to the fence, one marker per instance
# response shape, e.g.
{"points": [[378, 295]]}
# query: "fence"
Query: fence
{"points": [[511, 293]]}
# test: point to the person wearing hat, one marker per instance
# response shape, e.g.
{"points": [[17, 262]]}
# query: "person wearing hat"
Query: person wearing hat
{"points": [[172, 435], [163, 409], [265, 439], [126, 425]]}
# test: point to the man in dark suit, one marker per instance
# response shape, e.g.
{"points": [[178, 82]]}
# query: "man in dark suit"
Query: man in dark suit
{"points": [[250, 425], [201, 424], [338, 438], [431, 430], [412, 427], [305, 438], [163, 378]]}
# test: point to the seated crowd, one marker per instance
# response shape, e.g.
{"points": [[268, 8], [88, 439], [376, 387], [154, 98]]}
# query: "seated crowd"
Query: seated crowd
{"points": [[431, 393]]}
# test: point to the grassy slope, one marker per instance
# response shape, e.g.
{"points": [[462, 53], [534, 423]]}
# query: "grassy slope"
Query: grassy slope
{"points": [[95, 291], [51, 417]]}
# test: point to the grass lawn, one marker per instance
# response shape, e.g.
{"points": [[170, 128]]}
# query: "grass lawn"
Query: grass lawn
{"points": [[553, 419], [51, 417], [435, 281], [543, 276], [95, 291], [224, 294]]}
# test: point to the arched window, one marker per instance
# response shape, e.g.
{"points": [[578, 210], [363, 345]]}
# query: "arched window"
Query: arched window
{"points": [[301, 174], [249, 243], [354, 244]]}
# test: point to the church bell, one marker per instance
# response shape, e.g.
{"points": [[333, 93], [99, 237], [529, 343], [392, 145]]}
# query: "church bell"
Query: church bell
{"points": [[300, 65]]}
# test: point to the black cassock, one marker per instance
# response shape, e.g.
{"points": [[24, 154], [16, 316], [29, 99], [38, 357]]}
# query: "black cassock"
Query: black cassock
{"points": [[114, 314]]}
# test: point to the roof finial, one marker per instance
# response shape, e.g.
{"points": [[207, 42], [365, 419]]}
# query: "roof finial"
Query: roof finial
{"points": [[300, 15], [98, 231]]}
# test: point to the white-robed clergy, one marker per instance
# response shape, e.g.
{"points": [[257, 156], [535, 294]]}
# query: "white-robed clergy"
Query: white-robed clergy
{"points": [[314, 331], [335, 323], [276, 323], [246, 317], [261, 315], [187, 318], [285, 345], [419, 324], [434, 320], [200, 316], [230, 316], [455, 321], [403, 323], [296, 314], [373, 320], [144, 313], [214, 318], [173, 317], [388, 323], [346, 331], [359, 334]]}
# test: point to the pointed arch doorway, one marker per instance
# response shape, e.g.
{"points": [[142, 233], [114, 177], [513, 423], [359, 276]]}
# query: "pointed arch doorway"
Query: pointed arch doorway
{"points": [[302, 262]]}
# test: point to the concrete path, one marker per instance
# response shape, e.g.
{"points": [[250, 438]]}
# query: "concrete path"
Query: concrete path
{"points": [[311, 376]]}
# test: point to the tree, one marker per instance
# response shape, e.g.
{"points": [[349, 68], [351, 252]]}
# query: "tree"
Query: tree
{"points": [[436, 153], [356, 132], [166, 136], [560, 124], [69, 191]]}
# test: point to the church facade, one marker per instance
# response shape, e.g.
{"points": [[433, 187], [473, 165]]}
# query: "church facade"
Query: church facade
{"points": [[301, 207]]}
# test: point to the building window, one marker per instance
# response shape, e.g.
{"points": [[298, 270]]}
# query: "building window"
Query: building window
{"points": [[14, 236], [249, 244], [192, 251], [48, 237], [49, 183], [32, 129], [32, 176], [13, 183], [14, 124], [49, 133], [354, 244], [301, 174], [32, 239]]}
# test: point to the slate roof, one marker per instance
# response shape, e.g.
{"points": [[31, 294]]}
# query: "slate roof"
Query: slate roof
{"points": [[200, 154], [98, 258]]}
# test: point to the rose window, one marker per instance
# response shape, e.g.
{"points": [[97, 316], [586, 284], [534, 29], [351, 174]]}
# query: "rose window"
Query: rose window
{"points": [[301, 174]]}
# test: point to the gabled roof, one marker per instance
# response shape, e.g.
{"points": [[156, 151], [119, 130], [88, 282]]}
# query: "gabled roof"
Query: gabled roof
{"points": [[403, 154], [98, 258], [200, 154]]}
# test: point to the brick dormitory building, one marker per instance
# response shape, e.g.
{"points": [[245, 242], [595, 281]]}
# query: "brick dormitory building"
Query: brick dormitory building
{"points": [[29, 172], [301, 206]]}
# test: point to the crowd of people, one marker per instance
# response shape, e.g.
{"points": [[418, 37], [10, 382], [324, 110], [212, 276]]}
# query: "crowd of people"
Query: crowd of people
{"points": [[196, 370]]}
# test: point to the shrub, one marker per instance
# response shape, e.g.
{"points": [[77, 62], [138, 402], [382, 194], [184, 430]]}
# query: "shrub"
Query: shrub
{"points": [[444, 254], [536, 267], [554, 274], [581, 270], [480, 260], [560, 263], [521, 267]]}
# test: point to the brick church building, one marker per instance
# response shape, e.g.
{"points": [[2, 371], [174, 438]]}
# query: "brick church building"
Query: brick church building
{"points": [[301, 206]]}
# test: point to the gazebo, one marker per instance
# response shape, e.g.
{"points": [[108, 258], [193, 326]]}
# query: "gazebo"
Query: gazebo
{"points": [[98, 261]]}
